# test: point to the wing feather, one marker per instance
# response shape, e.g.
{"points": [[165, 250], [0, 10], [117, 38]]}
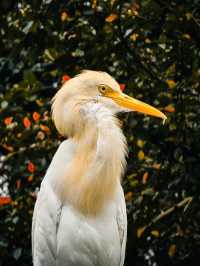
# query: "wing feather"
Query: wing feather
{"points": [[44, 227], [122, 224], [47, 211]]}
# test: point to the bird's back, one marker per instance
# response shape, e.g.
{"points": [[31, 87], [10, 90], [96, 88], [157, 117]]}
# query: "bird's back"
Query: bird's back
{"points": [[63, 236]]}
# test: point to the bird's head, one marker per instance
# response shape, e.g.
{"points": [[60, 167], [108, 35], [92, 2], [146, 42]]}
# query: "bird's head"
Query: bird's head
{"points": [[97, 87]]}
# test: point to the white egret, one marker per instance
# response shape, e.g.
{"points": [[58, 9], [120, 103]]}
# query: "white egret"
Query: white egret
{"points": [[80, 213]]}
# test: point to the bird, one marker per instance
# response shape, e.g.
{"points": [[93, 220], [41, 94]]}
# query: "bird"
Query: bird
{"points": [[79, 217]]}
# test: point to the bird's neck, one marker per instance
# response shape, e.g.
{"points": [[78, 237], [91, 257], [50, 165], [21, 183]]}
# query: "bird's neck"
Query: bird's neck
{"points": [[92, 177]]}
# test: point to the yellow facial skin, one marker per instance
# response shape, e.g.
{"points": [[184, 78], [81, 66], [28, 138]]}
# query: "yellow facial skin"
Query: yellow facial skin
{"points": [[130, 103]]}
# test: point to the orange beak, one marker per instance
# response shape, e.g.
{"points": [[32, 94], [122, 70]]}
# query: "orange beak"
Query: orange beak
{"points": [[135, 105]]}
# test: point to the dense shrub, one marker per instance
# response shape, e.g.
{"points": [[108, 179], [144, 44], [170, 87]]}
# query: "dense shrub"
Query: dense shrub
{"points": [[149, 45]]}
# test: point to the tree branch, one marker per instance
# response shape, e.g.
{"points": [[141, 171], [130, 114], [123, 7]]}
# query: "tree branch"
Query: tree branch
{"points": [[185, 202]]}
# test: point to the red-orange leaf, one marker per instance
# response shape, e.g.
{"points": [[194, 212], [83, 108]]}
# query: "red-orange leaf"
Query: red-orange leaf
{"points": [[145, 177], [112, 17], [31, 167], [65, 78], [45, 129], [36, 116], [170, 108], [8, 120], [26, 122], [122, 86], [5, 200]]}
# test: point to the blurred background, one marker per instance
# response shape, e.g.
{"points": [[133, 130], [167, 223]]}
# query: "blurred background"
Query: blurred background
{"points": [[152, 48]]}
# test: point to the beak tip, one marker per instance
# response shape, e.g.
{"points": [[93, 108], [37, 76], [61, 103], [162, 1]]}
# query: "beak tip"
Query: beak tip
{"points": [[164, 118]]}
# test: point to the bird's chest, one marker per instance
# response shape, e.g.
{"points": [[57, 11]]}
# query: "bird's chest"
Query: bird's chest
{"points": [[88, 241]]}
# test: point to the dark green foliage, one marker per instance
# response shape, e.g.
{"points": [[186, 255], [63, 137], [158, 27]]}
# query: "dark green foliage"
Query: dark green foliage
{"points": [[152, 47]]}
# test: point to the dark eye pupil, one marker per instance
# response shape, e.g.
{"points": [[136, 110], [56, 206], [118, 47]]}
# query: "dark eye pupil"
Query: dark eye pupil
{"points": [[103, 88]]}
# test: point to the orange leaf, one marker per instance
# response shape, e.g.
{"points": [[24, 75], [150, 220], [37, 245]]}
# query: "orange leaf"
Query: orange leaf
{"points": [[112, 17], [64, 16], [30, 178], [45, 129], [31, 167], [65, 78], [172, 250], [5, 200], [36, 116], [94, 4], [122, 86], [134, 37], [171, 83], [145, 177], [129, 196], [169, 108], [18, 183], [8, 120], [26, 122]]}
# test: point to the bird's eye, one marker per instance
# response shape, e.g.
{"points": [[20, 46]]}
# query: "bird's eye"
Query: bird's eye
{"points": [[102, 89]]}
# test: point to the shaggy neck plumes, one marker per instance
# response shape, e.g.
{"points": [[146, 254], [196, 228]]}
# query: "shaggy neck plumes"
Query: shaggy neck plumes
{"points": [[91, 178]]}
